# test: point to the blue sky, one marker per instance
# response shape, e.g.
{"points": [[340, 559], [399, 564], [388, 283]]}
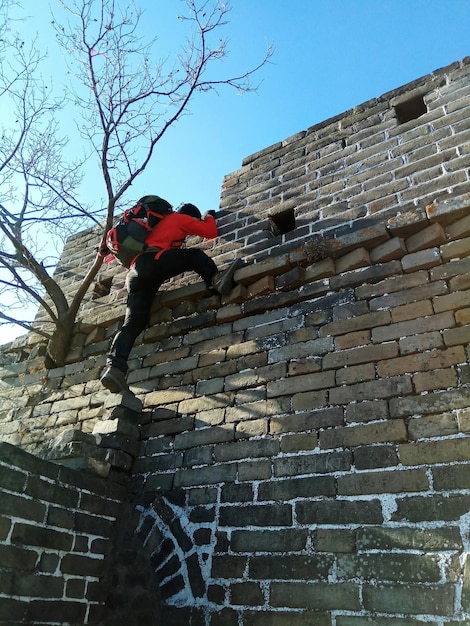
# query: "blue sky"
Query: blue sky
{"points": [[329, 56]]}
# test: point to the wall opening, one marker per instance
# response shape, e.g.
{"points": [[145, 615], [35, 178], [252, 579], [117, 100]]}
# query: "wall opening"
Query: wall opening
{"points": [[282, 222], [410, 109]]}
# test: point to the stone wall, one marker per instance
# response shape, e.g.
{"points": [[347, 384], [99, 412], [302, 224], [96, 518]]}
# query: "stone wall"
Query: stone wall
{"points": [[56, 527], [314, 456], [303, 451]]}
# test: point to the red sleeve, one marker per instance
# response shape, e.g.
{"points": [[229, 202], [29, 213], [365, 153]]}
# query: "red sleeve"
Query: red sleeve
{"points": [[176, 226], [206, 228]]}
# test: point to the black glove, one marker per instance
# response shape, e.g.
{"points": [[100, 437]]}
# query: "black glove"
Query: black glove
{"points": [[103, 250], [212, 212]]}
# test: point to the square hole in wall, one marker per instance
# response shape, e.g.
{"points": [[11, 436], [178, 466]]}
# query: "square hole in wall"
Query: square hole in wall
{"points": [[282, 222], [410, 109], [102, 287]]}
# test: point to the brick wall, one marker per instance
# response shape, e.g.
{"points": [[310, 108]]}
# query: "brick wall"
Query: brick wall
{"points": [[56, 526], [315, 460], [304, 447]]}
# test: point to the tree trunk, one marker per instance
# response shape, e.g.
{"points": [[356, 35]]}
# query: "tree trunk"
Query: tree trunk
{"points": [[59, 343]]}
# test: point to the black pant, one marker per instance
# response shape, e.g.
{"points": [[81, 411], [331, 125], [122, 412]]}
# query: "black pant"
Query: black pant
{"points": [[142, 283]]}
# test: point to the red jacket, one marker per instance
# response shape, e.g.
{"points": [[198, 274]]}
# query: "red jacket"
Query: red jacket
{"points": [[174, 228]]}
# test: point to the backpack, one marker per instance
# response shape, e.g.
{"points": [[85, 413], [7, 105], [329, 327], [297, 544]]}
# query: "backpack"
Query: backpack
{"points": [[126, 239]]}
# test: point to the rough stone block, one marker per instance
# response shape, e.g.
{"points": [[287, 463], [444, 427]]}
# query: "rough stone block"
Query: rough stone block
{"points": [[265, 515], [16, 558], [447, 211], [117, 426], [291, 279], [261, 287], [319, 596], [459, 249], [247, 594], [256, 271], [388, 250], [460, 228], [206, 476], [52, 539], [363, 434], [430, 237], [368, 237], [411, 598], [432, 452], [353, 260], [425, 259]]}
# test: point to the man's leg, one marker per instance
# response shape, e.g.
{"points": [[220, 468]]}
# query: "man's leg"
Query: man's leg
{"points": [[142, 287], [177, 261], [135, 321]]}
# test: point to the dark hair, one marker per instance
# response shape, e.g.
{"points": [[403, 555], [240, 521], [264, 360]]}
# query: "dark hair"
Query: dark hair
{"points": [[190, 209], [155, 203]]}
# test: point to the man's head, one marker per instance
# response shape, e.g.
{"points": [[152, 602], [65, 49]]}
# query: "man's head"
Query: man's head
{"points": [[190, 209], [155, 203]]}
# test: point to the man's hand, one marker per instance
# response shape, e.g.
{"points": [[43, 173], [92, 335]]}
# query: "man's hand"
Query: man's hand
{"points": [[212, 213], [103, 250]]}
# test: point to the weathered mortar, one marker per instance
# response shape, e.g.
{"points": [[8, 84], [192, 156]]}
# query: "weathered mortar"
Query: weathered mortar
{"points": [[304, 450]]}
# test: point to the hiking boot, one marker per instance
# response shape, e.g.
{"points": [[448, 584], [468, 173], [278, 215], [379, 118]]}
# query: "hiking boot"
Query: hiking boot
{"points": [[223, 281], [114, 380]]}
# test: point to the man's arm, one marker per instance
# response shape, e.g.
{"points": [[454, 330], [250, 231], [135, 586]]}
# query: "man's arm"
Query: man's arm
{"points": [[207, 227]]}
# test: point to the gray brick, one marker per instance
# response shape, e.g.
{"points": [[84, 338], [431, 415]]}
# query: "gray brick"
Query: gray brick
{"points": [[403, 567], [316, 347], [351, 436], [334, 540], [431, 403], [411, 598], [12, 480], [26, 508], [14, 557], [367, 411], [295, 384], [279, 540], [408, 295], [65, 611], [369, 457], [392, 481], [292, 567], [258, 410], [206, 476], [436, 509], [412, 283], [256, 515], [284, 490], [255, 377], [361, 354], [376, 389], [444, 538], [313, 463], [318, 596], [13, 611], [38, 586], [204, 436], [247, 594], [339, 512], [323, 418], [287, 618], [246, 450], [355, 323], [29, 535]]}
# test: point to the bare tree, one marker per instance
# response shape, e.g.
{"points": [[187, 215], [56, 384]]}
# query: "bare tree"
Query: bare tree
{"points": [[127, 99]]}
